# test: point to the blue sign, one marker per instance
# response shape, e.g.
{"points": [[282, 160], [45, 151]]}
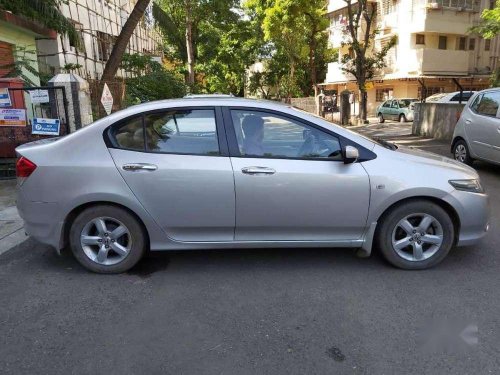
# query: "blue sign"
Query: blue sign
{"points": [[5, 97], [45, 126]]}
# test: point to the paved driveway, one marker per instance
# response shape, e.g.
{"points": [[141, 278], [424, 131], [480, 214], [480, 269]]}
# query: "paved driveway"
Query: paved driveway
{"points": [[301, 311]]}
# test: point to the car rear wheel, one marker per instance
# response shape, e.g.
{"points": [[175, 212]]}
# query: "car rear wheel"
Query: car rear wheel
{"points": [[381, 118], [402, 118], [107, 239], [461, 152], [416, 235]]}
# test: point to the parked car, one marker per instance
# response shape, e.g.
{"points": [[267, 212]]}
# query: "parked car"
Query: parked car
{"points": [[396, 109], [477, 133], [206, 173], [451, 97]]}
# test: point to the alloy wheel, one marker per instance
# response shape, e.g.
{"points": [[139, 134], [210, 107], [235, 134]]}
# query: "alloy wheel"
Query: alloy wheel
{"points": [[105, 240], [417, 237], [460, 153]]}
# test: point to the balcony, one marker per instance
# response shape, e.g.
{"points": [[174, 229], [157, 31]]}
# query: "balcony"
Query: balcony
{"points": [[431, 61], [334, 5], [443, 16], [335, 74]]}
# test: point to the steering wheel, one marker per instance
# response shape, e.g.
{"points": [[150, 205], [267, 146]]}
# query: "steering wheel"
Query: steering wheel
{"points": [[313, 145]]}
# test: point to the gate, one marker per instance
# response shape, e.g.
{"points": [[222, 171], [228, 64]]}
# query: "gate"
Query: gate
{"points": [[31, 113]]}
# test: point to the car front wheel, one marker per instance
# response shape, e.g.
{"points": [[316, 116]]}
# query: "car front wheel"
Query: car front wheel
{"points": [[107, 239], [402, 118], [416, 235], [381, 118], [461, 152]]}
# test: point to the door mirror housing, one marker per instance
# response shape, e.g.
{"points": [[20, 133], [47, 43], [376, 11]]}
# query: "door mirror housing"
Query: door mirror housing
{"points": [[351, 154]]}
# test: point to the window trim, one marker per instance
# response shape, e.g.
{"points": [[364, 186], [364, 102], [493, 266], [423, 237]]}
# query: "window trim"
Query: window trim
{"points": [[219, 128], [234, 150]]}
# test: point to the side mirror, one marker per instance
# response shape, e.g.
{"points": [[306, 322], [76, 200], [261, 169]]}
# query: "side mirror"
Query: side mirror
{"points": [[351, 154]]}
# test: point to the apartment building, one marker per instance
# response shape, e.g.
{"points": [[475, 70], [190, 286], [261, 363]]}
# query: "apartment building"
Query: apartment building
{"points": [[98, 23], [435, 51]]}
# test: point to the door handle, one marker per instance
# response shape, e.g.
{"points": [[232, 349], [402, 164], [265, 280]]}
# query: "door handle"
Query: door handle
{"points": [[467, 121], [139, 166], [258, 170]]}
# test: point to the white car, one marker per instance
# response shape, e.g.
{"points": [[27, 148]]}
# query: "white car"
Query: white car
{"points": [[450, 97]]}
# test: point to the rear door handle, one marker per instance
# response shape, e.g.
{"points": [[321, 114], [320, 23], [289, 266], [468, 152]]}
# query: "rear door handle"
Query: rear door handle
{"points": [[467, 121], [258, 170], [139, 166]]}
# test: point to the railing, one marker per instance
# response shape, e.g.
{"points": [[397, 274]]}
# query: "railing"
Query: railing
{"points": [[470, 5]]}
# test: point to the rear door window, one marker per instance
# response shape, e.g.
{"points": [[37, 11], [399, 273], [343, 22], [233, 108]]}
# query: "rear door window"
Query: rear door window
{"points": [[487, 104]]}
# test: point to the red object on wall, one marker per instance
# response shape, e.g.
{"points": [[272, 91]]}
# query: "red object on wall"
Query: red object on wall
{"points": [[6, 58]]}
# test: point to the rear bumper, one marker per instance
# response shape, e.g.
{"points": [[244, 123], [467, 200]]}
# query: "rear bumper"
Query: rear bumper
{"points": [[473, 212], [41, 221]]}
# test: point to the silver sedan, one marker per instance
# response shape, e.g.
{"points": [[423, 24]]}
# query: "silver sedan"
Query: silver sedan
{"points": [[206, 173]]}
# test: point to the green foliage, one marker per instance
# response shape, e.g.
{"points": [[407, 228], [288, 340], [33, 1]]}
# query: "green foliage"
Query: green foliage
{"points": [[71, 67], [294, 42], [46, 12], [24, 64], [152, 80], [489, 27]]}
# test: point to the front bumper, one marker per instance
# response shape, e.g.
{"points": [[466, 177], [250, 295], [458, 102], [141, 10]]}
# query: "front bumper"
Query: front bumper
{"points": [[473, 212]]}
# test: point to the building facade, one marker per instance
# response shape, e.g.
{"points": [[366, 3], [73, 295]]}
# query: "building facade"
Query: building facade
{"points": [[435, 51], [98, 23]]}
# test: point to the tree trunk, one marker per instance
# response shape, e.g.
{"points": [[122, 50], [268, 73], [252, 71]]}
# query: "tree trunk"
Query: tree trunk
{"points": [[312, 62], [189, 45], [363, 105], [122, 41]]}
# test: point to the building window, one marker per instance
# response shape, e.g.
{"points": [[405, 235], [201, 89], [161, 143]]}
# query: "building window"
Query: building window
{"points": [[79, 32], [382, 95], [472, 44], [492, 4], [420, 39], [462, 43], [487, 44], [442, 42], [105, 44]]}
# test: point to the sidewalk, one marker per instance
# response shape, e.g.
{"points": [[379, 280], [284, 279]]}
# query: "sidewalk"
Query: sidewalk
{"points": [[11, 225]]}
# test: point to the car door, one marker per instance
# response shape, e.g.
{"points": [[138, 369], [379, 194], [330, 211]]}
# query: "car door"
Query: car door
{"points": [[290, 180], [385, 109], [394, 110], [482, 125], [176, 163]]}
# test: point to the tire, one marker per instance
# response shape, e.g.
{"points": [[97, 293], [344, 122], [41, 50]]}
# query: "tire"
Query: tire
{"points": [[392, 237], [461, 152], [114, 247], [402, 118], [381, 118]]}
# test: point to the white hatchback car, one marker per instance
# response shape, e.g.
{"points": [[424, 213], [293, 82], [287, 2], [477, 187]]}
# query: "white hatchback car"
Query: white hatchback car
{"points": [[450, 97], [477, 133]]}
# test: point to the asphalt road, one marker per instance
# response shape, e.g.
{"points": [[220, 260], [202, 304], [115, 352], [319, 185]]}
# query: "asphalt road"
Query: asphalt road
{"points": [[301, 311]]}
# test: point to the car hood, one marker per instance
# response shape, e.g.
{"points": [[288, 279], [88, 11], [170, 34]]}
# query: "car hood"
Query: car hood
{"points": [[431, 158]]}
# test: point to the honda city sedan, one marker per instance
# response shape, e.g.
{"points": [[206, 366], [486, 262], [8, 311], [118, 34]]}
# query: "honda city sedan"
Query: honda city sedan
{"points": [[231, 173]]}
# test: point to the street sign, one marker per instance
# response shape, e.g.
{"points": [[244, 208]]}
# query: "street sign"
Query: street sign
{"points": [[39, 96], [45, 126], [12, 117], [107, 99], [5, 97]]}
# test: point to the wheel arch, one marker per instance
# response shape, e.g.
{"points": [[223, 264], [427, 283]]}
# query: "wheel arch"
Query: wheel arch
{"points": [[455, 140], [449, 209], [71, 216]]}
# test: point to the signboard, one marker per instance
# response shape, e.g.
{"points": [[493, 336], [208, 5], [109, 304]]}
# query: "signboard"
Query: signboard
{"points": [[369, 85], [39, 96], [5, 97], [107, 99], [12, 117], [45, 126]]}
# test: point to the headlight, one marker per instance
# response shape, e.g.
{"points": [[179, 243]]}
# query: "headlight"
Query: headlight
{"points": [[473, 186]]}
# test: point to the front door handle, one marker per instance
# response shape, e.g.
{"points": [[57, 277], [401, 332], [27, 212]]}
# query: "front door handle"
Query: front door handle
{"points": [[139, 166], [467, 121], [258, 170]]}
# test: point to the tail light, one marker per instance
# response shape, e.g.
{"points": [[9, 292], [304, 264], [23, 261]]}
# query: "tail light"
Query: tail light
{"points": [[24, 167]]}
